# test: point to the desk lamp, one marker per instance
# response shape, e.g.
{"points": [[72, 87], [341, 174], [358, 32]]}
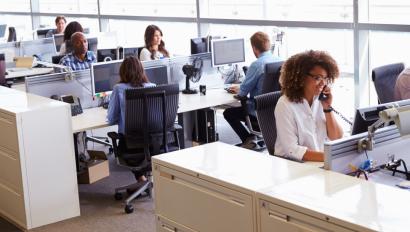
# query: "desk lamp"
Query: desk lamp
{"points": [[400, 116]]}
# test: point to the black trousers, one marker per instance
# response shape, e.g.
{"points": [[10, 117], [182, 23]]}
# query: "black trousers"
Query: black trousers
{"points": [[235, 116]]}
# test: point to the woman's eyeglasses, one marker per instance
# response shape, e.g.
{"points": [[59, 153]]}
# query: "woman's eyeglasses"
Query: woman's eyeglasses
{"points": [[319, 79]]}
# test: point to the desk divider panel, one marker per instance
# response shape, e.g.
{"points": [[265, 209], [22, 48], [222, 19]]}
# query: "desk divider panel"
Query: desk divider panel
{"points": [[339, 154], [56, 84]]}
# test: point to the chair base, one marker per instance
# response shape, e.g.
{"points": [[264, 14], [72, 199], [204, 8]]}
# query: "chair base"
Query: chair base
{"points": [[141, 187]]}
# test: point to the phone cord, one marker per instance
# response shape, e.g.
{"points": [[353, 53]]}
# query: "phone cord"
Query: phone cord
{"points": [[343, 117]]}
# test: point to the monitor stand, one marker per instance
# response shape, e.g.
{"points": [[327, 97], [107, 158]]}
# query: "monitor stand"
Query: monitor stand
{"points": [[234, 78], [187, 90]]}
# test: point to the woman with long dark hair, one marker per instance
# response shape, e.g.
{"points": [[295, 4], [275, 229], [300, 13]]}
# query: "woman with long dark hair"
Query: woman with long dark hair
{"points": [[154, 45]]}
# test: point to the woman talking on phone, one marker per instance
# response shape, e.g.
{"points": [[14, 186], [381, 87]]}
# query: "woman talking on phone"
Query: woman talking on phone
{"points": [[304, 122]]}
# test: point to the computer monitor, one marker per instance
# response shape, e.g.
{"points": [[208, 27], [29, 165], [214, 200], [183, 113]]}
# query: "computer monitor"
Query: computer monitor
{"points": [[104, 76], [157, 75], [132, 51], [3, 28], [58, 41], [92, 44], [41, 33], [199, 45], [227, 51], [366, 116], [106, 54]]}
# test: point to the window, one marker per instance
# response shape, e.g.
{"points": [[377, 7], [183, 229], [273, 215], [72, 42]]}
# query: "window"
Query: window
{"points": [[15, 6], [387, 11], [69, 6], [131, 33], [165, 8], [299, 10], [22, 23], [90, 23]]}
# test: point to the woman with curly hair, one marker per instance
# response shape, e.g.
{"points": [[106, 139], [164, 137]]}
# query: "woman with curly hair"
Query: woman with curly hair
{"points": [[303, 121], [154, 45]]}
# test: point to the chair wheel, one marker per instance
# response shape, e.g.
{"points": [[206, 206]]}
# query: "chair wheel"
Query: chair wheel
{"points": [[129, 209], [118, 196]]}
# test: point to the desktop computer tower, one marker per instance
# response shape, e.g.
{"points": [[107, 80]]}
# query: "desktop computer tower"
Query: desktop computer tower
{"points": [[206, 131]]}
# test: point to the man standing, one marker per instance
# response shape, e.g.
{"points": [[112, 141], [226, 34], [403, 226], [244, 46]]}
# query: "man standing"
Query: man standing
{"points": [[252, 85], [80, 58]]}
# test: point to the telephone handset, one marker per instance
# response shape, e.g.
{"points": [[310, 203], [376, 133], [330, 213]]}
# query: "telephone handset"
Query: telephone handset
{"points": [[323, 97], [73, 101]]}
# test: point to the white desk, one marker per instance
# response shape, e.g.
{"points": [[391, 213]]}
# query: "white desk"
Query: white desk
{"points": [[96, 117], [219, 187], [26, 73]]}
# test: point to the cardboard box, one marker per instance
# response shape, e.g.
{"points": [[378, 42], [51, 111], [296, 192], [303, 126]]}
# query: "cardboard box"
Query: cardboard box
{"points": [[96, 169]]}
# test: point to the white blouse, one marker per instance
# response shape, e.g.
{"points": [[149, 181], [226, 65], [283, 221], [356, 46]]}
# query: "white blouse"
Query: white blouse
{"points": [[299, 127], [146, 55]]}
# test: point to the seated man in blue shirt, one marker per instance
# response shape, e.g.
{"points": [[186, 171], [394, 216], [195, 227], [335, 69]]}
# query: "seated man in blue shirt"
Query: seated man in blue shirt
{"points": [[252, 85], [80, 58]]}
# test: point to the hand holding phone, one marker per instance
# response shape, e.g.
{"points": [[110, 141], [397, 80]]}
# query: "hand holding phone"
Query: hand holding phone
{"points": [[322, 95]]}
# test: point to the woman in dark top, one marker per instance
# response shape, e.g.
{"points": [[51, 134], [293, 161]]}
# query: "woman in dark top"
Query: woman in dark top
{"points": [[70, 29]]}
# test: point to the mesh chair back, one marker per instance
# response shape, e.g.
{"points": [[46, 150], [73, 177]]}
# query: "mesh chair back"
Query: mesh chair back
{"points": [[149, 111], [265, 111], [384, 79], [56, 59], [271, 79]]}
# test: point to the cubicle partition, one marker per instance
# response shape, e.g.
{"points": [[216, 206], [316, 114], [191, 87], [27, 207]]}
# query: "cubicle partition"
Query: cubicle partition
{"points": [[43, 48], [342, 154], [60, 84]]}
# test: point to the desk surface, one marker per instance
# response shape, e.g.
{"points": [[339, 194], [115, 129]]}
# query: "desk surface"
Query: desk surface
{"points": [[29, 72], [94, 118], [300, 187]]}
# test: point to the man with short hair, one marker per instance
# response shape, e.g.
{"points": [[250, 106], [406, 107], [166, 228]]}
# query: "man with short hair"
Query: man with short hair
{"points": [[252, 85], [60, 26], [80, 58]]}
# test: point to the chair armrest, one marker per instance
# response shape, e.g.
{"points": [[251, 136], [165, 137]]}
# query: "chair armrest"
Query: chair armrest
{"points": [[115, 137]]}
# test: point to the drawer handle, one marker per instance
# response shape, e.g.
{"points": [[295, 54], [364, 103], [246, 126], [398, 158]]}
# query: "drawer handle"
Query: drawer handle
{"points": [[281, 217]]}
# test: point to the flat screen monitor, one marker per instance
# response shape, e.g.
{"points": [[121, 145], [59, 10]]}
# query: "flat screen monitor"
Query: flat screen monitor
{"points": [[104, 76], [157, 75], [227, 51], [41, 33], [199, 45], [366, 116], [92, 44], [106, 54], [132, 51], [58, 41], [3, 28]]}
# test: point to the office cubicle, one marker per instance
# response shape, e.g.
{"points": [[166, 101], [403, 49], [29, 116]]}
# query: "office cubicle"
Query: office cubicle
{"points": [[62, 84], [43, 48]]}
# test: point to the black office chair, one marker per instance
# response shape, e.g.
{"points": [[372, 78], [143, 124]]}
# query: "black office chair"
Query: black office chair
{"points": [[270, 84], [265, 111], [149, 125], [384, 79], [12, 35]]}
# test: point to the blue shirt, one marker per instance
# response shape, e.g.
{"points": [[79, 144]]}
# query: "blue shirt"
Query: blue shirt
{"points": [[70, 60], [116, 108], [252, 84]]}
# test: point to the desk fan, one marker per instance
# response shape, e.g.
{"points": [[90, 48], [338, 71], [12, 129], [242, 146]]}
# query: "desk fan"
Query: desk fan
{"points": [[192, 72]]}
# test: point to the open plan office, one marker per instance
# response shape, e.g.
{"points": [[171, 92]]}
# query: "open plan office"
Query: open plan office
{"points": [[196, 175]]}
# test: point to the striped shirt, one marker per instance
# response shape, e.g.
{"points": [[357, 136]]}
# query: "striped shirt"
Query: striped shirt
{"points": [[70, 60]]}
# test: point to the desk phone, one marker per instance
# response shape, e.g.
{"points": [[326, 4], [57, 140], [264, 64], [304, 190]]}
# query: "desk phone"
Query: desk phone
{"points": [[74, 102]]}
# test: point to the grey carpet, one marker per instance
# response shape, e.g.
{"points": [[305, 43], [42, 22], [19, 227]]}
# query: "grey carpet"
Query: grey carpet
{"points": [[101, 212]]}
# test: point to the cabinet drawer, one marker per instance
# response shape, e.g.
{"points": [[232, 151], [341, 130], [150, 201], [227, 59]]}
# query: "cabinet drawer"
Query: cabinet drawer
{"points": [[12, 206], [201, 205], [8, 135], [277, 218], [10, 171], [165, 225]]}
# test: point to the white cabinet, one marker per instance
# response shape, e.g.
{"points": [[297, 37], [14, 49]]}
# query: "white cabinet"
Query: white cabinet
{"points": [[201, 205], [276, 218], [38, 183]]}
